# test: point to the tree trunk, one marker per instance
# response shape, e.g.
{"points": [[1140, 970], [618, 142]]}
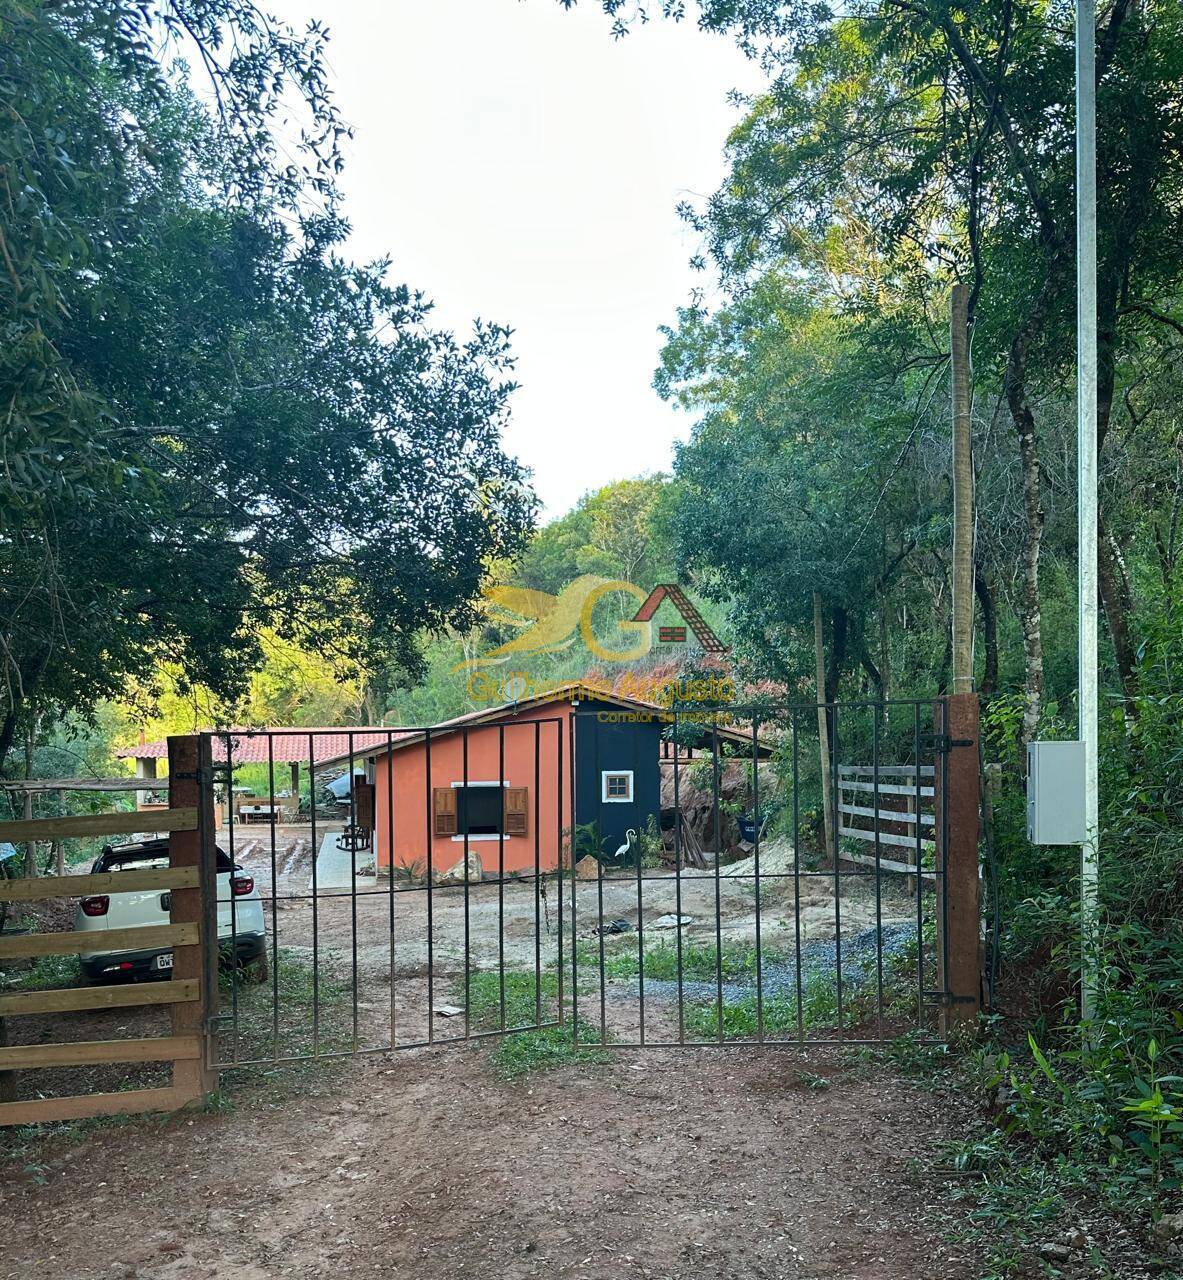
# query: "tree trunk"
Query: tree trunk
{"points": [[1015, 388], [868, 665], [989, 633], [1116, 596], [839, 633], [963, 495], [27, 811], [1117, 601], [823, 730], [884, 648]]}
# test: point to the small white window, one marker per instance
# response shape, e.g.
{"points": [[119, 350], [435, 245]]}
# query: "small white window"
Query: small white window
{"points": [[616, 786]]}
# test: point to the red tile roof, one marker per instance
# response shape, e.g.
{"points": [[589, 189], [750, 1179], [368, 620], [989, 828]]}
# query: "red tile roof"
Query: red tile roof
{"points": [[288, 746]]}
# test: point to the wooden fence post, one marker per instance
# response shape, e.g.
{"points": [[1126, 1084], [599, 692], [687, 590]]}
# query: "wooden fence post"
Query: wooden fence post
{"points": [[189, 762], [957, 797]]}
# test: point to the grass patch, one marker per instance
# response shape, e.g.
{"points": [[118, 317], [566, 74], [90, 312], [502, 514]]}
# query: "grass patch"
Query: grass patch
{"points": [[819, 1009], [524, 1052], [519, 1053], [48, 973], [330, 997], [700, 962]]}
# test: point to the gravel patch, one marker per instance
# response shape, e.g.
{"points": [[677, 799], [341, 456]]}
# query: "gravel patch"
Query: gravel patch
{"points": [[779, 972]]}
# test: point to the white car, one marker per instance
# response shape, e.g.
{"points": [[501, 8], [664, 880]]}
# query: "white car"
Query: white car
{"points": [[242, 934]]}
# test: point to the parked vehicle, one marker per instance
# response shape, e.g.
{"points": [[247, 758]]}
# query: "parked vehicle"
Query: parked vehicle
{"points": [[242, 935]]}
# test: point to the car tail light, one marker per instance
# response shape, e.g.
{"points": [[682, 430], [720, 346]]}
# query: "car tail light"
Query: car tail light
{"points": [[96, 906], [242, 885]]}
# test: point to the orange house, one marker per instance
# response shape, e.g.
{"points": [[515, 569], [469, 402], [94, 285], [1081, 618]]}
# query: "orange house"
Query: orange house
{"points": [[510, 782], [499, 781], [501, 788]]}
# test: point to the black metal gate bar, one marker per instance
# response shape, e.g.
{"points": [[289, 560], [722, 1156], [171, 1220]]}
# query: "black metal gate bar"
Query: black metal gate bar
{"points": [[274, 907], [804, 1007], [835, 754], [392, 967], [797, 879], [353, 888], [878, 872], [716, 819], [757, 818], [467, 846], [852, 1017]]}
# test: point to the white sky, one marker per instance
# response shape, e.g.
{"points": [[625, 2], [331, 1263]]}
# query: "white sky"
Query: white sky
{"points": [[522, 166]]}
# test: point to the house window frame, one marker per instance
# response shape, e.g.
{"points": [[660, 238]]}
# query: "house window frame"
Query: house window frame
{"points": [[472, 838], [605, 775]]}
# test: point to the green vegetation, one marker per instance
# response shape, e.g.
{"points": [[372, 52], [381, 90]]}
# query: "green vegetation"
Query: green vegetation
{"points": [[248, 1031], [185, 344], [522, 1052], [193, 374], [46, 973]]}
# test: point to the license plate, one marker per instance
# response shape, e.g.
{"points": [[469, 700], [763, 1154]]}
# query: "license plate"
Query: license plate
{"points": [[163, 962]]}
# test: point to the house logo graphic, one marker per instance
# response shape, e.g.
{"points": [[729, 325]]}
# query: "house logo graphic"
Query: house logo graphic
{"points": [[550, 623]]}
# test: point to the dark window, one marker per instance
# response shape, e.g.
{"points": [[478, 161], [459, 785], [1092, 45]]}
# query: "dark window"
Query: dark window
{"points": [[479, 811]]}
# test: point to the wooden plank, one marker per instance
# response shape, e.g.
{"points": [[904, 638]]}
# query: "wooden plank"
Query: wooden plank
{"points": [[887, 864], [85, 942], [129, 1102], [100, 824], [89, 1053], [884, 790], [889, 815], [130, 881], [84, 784], [864, 833], [123, 996]]}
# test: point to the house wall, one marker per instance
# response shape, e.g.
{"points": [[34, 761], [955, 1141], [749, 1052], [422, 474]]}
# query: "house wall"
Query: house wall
{"points": [[606, 738], [534, 734], [609, 739]]}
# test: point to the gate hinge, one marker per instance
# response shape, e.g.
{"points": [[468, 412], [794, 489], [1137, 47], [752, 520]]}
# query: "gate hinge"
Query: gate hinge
{"points": [[942, 744], [944, 999]]}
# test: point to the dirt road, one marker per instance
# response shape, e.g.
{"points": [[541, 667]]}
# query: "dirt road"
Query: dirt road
{"points": [[663, 1164]]}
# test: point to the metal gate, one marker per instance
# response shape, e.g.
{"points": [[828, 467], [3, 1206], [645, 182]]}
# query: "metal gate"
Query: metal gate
{"points": [[617, 873]]}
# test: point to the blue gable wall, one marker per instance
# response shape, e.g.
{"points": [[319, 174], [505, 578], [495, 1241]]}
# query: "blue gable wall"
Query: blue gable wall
{"points": [[606, 739]]}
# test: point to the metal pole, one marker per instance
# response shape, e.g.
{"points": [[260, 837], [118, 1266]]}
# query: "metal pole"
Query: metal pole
{"points": [[1086, 433]]}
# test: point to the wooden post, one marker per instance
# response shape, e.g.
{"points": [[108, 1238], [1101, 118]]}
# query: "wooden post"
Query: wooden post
{"points": [[957, 796], [189, 762]]}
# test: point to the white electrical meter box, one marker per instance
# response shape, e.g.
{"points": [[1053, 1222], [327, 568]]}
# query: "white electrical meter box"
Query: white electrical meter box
{"points": [[1055, 792]]}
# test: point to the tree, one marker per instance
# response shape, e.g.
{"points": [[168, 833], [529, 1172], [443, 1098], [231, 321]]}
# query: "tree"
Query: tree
{"points": [[217, 427], [943, 136], [792, 482]]}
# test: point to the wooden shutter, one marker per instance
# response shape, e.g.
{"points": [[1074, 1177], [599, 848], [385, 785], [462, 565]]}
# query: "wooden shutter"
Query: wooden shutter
{"points": [[444, 805], [517, 804], [363, 804]]}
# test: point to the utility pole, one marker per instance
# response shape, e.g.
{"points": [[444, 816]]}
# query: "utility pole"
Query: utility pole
{"points": [[963, 493], [1086, 455]]}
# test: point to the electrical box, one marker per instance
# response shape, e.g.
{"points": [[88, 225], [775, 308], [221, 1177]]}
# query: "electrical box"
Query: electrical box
{"points": [[1055, 792]]}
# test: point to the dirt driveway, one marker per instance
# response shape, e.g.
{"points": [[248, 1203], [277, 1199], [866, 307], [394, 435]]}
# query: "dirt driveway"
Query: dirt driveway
{"points": [[663, 1164]]}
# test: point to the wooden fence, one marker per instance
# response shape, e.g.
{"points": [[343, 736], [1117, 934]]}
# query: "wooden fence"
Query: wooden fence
{"points": [[183, 993], [900, 805]]}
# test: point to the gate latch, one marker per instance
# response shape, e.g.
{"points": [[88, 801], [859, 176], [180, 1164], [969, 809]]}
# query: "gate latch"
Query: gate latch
{"points": [[945, 999], [942, 744]]}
